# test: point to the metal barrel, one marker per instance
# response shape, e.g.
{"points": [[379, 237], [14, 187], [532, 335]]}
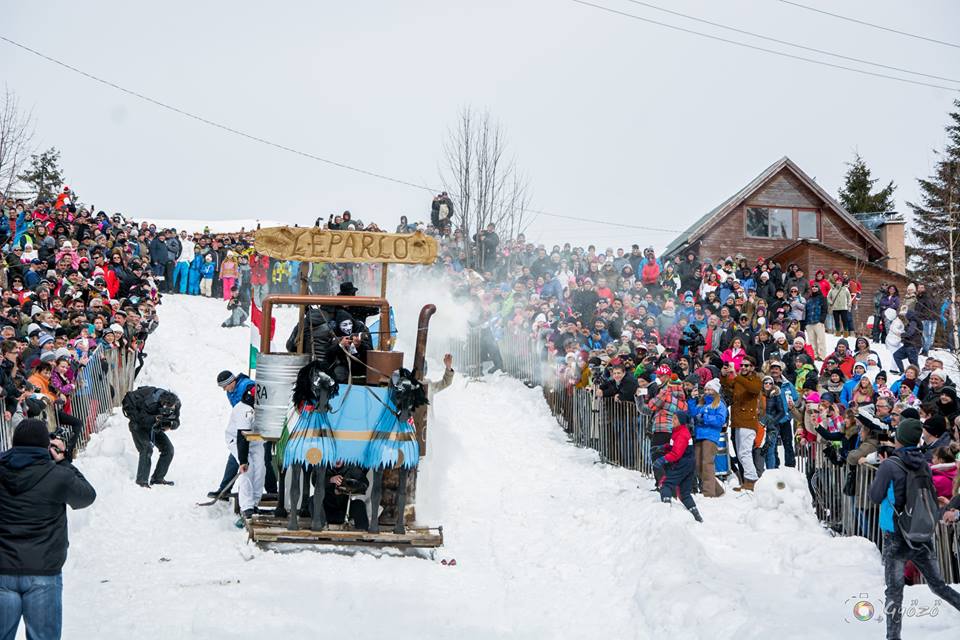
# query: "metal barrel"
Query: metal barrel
{"points": [[276, 375]]}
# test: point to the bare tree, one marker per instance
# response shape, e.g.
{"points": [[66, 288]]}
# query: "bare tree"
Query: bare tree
{"points": [[16, 138], [483, 181]]}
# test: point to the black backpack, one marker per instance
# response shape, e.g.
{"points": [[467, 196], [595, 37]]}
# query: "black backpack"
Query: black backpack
{"points": [[918, 518]]}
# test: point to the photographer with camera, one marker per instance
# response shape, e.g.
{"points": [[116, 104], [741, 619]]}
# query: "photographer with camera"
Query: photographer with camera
{"points": [[152, 412], [37, 483]]}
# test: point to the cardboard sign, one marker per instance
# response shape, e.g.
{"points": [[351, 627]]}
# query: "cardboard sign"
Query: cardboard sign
{"points": [[311, 244]]}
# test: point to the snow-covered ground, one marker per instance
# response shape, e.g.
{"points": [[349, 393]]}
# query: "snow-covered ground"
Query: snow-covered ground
{"points": [[549, 543]]}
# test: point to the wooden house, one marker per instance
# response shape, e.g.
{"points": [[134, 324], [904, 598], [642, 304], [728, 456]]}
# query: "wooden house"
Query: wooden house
{"points": [[785, 215]]}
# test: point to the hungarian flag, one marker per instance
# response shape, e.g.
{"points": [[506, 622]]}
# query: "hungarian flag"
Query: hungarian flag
{"points": [[256, 318]]}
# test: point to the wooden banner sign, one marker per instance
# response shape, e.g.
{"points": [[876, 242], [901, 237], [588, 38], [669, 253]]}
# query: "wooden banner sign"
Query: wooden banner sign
{"points": [[312, 244]]}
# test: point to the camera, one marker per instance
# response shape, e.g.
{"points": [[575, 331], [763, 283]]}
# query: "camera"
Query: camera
{"points": [[166, 423]]}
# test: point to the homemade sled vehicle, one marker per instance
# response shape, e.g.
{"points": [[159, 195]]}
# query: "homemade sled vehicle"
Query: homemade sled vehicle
{"points": [[377, 420]]}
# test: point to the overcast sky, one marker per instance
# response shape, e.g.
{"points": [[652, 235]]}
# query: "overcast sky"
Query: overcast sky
{"points": [[612, 118]]}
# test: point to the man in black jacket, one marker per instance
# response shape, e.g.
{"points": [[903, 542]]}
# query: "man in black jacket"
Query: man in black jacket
{"points": [[349, 482], [152, 412], [889, 490], [36, 485], [158, 260], [174, 249], [621, 385]]}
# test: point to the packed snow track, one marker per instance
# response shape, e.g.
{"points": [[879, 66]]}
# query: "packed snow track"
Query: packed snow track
{"points": [[549, 543]]}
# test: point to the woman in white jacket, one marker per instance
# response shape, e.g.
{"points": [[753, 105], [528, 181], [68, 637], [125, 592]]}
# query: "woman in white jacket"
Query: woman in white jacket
{"points": [[253, 471], [895, 330]]}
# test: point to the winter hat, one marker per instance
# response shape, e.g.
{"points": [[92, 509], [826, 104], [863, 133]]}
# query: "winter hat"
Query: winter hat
{"points": [[910, 412], [663, 370], [712, 385], [31, 433], [116, 328], [799, 340], [813, 397], [868, 420], [778, 336], [32, 327], [224, 378], [860, 365], [775, 363], [682, 417], [940, 373], [880, 374], [909, 432], [935, 426], [62, 352], [48, 356]]}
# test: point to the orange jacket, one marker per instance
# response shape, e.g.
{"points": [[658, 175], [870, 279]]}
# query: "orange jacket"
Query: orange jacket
{"points": [[43, 385]]}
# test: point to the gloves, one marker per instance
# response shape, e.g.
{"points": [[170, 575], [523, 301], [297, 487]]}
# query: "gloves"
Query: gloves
{"points": [[660, 462]]}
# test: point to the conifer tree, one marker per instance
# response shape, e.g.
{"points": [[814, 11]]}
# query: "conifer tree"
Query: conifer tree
{"points": [[856, 196], [934, 243], [44, 174]]}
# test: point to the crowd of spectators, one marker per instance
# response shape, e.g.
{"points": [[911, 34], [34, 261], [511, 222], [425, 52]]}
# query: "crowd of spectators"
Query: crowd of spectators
{"points": [[701, 345], [74, 283]]}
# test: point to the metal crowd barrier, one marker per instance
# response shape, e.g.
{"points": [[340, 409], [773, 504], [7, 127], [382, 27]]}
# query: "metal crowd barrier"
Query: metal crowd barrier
{"points": [[99, 389], [857, 515]]}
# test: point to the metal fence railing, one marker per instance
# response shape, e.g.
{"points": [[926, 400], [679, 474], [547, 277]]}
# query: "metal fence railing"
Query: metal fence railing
{"points": [[620, 433], [99, 388]]}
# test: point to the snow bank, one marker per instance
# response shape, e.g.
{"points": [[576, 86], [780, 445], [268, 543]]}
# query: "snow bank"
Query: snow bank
{"points": [[548, 542]]}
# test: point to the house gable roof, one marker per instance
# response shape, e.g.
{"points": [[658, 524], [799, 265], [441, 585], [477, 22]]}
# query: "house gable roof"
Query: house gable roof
{"points": [[711, 218]]}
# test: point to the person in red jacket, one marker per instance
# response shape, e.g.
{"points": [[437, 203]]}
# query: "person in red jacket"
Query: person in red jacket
{"points": [[678, 464], [259, 270], [62, 199], [843, 357]]}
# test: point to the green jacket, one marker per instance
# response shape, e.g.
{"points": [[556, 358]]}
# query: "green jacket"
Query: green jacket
{"points": [[839, 298]]}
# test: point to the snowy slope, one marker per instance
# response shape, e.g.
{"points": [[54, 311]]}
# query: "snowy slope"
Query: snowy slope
{"points": [[548, 542]]}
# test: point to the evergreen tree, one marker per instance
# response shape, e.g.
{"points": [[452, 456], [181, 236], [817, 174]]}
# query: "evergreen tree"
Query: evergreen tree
{"points": [[856, 196], [937, 213], [44, 174]]}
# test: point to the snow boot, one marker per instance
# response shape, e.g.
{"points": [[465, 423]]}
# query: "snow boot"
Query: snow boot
{"points": [[746, 486], [166, 482], [145, 485], [696, 514], [665, 500]]}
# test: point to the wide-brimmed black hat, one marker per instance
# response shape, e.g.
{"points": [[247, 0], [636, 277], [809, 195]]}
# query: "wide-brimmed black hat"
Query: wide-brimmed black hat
{"points": [[347, 289]]}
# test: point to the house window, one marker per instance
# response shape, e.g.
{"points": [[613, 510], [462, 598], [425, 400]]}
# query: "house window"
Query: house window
{"points": [[765, 222], [807, 225]]}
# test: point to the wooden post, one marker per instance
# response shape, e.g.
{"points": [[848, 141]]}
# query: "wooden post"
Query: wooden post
{"points": [[304, 290], [385, 342]]}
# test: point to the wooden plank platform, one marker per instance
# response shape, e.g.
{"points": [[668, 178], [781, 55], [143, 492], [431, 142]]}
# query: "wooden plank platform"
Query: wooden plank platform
{"points": [[267, 529]]}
